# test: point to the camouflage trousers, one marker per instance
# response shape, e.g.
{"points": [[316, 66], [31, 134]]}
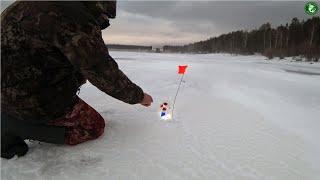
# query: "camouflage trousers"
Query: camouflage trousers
{"points": [[82, 123]]}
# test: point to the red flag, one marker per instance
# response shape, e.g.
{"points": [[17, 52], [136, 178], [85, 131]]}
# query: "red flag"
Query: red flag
{"points": [[182, 69]]}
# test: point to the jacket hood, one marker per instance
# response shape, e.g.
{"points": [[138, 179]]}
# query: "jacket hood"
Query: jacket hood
{"points": [[102, 11]]}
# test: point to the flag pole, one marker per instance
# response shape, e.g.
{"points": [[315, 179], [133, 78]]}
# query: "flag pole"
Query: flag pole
{"points": [[174, 101]]}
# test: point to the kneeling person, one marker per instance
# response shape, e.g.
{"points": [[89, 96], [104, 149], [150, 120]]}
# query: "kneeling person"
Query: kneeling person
{"points": [[49, 49]]}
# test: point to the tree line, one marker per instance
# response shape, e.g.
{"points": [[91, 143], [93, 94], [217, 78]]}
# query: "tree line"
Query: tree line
{"points": [[299, 38], [129, 47]]}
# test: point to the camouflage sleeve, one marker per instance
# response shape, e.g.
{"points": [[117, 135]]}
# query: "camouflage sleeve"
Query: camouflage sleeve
{"points": [[87, 52]]}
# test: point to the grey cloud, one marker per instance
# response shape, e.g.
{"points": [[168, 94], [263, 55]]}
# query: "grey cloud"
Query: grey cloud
{"points": [[226, 15], [171, 20], [179, 22], [204, 18]]}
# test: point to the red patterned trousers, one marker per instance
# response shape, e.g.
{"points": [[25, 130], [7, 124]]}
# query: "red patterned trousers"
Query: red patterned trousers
{"points": [[82, 123]]}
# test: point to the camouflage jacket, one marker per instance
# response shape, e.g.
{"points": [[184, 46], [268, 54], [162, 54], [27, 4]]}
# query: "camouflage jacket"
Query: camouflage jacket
{"points": [[48, 50]]}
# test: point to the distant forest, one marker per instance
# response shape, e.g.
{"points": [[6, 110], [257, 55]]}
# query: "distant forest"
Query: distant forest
{"points": [[129, 47], [299, 38]]}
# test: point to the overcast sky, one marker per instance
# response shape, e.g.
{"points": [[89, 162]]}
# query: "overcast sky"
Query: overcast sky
{"points": [[180, 22]]}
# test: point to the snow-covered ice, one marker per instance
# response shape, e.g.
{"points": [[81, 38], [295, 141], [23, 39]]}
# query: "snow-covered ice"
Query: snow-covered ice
{"points": [[237, 117]]}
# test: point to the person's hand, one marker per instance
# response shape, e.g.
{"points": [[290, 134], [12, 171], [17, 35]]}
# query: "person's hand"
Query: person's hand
{"points": [[147, 100]]}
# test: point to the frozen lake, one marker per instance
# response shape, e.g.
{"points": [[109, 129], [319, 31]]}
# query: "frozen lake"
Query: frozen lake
{"points": [[237, 117]]}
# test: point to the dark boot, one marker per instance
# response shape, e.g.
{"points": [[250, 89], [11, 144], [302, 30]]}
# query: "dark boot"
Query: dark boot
{"points": [[12, 145], [14, 132]]}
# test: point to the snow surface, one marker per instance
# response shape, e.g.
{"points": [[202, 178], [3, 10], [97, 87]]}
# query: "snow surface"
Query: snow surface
{"points": [[237, 117]]}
